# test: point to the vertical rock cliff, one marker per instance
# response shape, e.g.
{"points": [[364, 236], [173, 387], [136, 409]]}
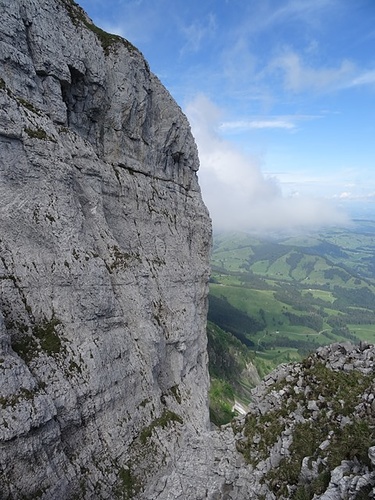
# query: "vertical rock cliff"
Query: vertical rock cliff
{"points": [[104, 262]]}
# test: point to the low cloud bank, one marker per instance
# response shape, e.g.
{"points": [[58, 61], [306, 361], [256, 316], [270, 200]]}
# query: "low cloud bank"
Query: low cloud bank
{"points": [[238, 195]]}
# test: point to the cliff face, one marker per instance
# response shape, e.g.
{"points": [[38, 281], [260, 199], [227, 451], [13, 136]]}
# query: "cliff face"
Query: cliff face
{"points": [[104, 261]]}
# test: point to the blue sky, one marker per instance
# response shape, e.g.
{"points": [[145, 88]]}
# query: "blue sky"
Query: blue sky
{"points": [[280, 95]]}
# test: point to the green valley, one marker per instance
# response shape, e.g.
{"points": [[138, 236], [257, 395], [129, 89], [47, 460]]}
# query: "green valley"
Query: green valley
{"points": [[280, 298]]}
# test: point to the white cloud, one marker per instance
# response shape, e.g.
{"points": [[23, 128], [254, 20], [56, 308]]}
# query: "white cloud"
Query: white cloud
{"points": [[283, 123], [299, 76], [286, 122], [235, 190], [302, 10], [366, 78], [347, 195], [196, 32], [263, 16]]}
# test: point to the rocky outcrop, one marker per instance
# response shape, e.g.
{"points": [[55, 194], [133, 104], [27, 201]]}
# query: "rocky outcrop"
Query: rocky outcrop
{"points": [[311, 426], [104, 251], [309, 433]]}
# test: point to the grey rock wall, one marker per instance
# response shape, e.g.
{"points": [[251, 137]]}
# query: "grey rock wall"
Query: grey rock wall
{"points": [[104, 262]]}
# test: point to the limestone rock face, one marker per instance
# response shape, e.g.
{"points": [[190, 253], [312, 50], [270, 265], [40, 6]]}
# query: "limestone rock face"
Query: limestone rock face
{"points": [[104, 261]]}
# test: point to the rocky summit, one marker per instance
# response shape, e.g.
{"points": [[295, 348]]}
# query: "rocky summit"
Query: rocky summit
{"points": [[104, 267], [309, 434]]}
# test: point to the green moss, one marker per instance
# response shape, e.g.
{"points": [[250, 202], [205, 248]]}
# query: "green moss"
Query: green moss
{"points": [[166, 418], [337, 394], [267, 427], [74, 367], [26, 347], [121, 260], [106, 39], [23, 102], [306, 439], [342, 389], [76, 13], [50, 341], [37, 133], [129, 485], [176, 393], [351, 441], [14, 399], [273, 424], [28, 105]]}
